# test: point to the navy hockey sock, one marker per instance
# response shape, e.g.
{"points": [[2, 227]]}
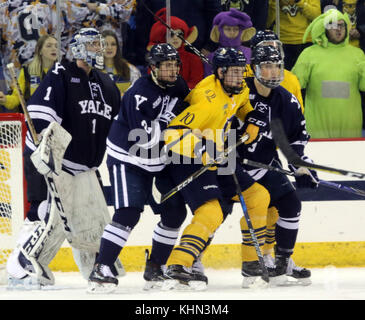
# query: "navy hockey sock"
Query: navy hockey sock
{"points": [[163, 241], [112, 242]]}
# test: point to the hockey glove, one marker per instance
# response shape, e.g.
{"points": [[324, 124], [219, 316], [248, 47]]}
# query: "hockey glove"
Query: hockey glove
{"points": [[205, 151], [255, 122], [304, 177]]}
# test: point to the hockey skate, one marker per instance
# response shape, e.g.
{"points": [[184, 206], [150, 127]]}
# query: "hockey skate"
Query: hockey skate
{"points": [[197, 270], [102, 280], [297, 275], [301, 275], [178, 277], [153, 274], [252, 273]]}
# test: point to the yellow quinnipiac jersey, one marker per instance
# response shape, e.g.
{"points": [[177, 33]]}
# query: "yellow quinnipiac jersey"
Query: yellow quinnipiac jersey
{"points": [[209, 116]]}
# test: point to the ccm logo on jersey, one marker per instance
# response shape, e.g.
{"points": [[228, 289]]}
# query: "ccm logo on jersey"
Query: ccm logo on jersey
{"points": [[96, 107]]}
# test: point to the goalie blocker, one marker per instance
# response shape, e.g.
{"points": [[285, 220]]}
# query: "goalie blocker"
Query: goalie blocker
{"points": [[76, 210]]}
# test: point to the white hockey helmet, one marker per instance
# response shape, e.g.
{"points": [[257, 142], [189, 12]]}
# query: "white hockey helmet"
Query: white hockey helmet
{"points": [[88, 45]]}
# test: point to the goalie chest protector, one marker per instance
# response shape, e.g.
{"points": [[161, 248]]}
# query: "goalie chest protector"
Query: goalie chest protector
{"points": [[84, 105]]}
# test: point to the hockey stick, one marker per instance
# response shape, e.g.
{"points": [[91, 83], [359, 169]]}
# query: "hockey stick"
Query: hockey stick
{"points": [[265, 273], [195, 50], [32, 249], [10, 67], [161, 198], [293, 158], [324, 183]]}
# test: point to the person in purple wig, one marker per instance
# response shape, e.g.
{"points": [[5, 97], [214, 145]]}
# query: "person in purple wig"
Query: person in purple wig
{"points": [[231, 29]]}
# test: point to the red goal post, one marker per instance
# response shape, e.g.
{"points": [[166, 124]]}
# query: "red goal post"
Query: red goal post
{"points": [[13, 200]]}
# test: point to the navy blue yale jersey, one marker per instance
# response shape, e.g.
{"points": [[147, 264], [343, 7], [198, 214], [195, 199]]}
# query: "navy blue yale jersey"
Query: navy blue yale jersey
{"points": [[279, 104], [146, 110], [84, 105]]}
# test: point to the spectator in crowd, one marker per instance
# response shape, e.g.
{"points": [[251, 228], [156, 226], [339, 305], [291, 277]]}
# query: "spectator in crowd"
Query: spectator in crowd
{"points": [[230, 29], [360, 22], [331, 4], [23, 22], [199, 13], [295, 17], [99, 14], [352, 8], [191, 65], [256, 9], [30, 76], [120, 70], [332, 101]]}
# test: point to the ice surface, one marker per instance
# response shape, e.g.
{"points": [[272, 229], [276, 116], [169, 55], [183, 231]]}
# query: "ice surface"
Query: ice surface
{"points": [[329, 283]]}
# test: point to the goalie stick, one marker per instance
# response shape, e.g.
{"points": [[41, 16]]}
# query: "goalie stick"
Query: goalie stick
{"points": [[161, 198], [293, 158], [33, 249], [329, 184]]}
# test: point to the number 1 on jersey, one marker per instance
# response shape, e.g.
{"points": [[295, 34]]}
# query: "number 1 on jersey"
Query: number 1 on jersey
{"points": [[94, 126]]}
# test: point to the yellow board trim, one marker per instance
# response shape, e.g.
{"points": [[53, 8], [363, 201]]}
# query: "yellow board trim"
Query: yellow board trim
{"points": [[226, 256]]}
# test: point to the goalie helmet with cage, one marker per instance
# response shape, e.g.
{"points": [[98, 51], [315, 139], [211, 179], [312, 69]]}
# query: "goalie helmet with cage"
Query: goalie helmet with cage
{"points": [[167, 76], [88, 45], [268, 66], [229, 57]]}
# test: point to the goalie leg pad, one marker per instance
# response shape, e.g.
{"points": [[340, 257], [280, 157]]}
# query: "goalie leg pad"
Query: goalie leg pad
{"points": [[29, 261], [87, 215]]}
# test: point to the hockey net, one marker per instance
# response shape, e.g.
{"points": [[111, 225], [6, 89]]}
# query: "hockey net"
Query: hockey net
{"points": [[12, 183]]}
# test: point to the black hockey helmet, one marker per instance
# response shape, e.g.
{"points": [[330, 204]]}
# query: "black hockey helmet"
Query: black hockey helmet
{"points": [[228, 57], [267, 37], [224, 58], [162, 52], [261, 36], [159, 53], [267, 55]]}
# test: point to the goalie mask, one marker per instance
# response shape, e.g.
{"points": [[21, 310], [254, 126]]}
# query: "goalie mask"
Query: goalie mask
{"points": [[225, 58], [88, 45], [166, 62], [268, 66]]}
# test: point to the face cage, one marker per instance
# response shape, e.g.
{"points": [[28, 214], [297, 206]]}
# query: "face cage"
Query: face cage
{"points": [[230, 89], [164, 83], [93, 59], [272, 83]]}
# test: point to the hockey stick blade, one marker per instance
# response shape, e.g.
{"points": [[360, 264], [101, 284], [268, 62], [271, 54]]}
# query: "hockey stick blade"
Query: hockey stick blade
{"points": [[293, 158], [328, 184]]}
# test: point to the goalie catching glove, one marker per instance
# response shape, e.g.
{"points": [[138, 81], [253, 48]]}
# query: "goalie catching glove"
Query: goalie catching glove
{"points": [[255, 122], [50, 151], [304, 177]]}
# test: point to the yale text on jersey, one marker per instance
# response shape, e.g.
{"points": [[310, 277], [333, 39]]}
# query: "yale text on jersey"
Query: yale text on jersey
{"points": [[96, 107]]}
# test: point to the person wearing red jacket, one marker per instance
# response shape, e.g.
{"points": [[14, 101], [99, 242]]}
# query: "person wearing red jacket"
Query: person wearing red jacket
{"points": [[192, 70]]}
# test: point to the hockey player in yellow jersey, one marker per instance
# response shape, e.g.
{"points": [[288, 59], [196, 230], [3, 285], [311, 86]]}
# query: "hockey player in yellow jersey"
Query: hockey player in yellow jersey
{"points": [[214, 103]]}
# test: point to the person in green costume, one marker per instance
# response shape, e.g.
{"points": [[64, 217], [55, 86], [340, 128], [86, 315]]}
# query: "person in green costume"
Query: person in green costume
{"points": [[333, 74]]}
